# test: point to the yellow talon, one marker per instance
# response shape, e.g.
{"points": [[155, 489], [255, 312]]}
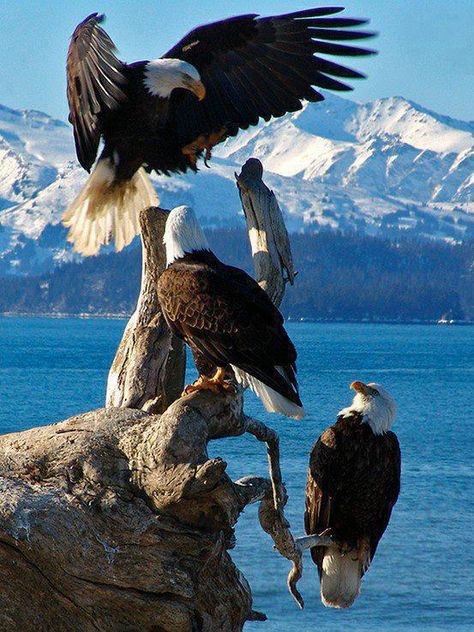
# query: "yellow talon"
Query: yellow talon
{"points": [[216, 384]]}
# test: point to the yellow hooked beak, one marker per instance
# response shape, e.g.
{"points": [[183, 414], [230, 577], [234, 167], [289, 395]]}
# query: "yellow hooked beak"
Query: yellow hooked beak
{"points": [[360, 387], [198, 88]]}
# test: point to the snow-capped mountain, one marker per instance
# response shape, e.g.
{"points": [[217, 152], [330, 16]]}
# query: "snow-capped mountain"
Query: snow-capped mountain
{"points": [[380, 167]]}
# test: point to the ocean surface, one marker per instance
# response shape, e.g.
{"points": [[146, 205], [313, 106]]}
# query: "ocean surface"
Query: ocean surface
{"points": [[422, 574]]}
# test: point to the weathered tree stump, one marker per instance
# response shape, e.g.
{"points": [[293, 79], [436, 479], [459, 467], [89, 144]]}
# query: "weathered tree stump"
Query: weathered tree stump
{"points": [[149, 365], [148, 368]]}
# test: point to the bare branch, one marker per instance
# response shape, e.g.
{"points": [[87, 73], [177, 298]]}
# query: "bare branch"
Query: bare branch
{"points": [[268, 236], [311, 541], [148, 368]]}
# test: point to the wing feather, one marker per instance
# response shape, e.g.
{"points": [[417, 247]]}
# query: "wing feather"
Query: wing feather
{"points": [[256, 67], [390, 482], [95, 83]]}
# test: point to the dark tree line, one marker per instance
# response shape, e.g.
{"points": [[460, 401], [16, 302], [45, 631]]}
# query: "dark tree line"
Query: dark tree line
{"points": [[340, 276]]}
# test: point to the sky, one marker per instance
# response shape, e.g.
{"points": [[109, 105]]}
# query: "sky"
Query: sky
{"points": [[425, 46]]}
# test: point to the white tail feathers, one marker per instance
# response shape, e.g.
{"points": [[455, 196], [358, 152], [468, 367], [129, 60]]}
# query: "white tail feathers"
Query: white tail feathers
{"points": [[106, 210], [273, 401], [341, 576]]}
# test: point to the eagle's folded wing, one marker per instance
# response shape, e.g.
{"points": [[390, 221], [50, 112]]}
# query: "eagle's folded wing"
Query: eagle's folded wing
{"points": [[229, 319]]}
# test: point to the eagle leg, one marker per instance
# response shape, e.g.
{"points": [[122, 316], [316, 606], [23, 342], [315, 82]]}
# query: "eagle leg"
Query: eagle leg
{"points": [[216, 384], [192, 159], [346, 548], [219, 379]]}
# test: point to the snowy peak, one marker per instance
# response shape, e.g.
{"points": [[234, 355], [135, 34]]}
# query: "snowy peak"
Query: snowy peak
{"points": [[393, 119], [390, 147], [36, 135], [408, 122]]}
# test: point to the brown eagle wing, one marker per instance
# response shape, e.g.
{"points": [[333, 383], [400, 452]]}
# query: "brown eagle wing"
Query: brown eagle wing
{"points": [[225, 315], [321, 486], [256, 67], [94, 85]]}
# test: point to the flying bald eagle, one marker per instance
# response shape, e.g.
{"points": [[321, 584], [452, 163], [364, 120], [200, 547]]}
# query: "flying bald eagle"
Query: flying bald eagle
{"points": [[226, 318], [353, 483], [163, 114]]}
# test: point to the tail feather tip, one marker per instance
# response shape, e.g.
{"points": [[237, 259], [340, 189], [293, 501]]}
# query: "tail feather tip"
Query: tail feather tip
{"points": [[105, 209]]}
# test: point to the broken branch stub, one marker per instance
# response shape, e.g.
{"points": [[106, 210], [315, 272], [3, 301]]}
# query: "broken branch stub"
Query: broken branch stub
{"points": [[269, 241], [148, 369]]}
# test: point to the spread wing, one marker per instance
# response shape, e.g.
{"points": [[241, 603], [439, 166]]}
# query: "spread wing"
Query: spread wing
{"points": [[262, 67], [227, 317], [94, 85], [335, 476]]}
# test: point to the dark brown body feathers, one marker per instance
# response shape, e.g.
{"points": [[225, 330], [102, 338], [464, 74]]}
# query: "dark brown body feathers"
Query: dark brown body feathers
{"points": [[226, 318]]}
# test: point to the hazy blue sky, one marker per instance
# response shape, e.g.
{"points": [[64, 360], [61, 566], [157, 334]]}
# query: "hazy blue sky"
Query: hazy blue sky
{"points": [[426, 46]]}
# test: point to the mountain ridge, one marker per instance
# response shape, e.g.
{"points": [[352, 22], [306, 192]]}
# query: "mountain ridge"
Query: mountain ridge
{"points": [[384, 168]]}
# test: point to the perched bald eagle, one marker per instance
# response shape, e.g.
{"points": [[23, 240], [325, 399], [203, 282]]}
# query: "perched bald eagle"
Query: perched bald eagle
{"points": [[353, 483], [163, 114], [226, 318]]}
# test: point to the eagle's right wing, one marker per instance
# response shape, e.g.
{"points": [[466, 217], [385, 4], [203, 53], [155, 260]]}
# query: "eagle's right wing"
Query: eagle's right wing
{"points": [[322, 475], [94, 85], [254, 67], [389, 481]]}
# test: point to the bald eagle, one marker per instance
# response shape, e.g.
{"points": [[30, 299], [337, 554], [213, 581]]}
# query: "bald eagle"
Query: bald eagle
{"points": [[353, 483], [226, 318], [163, 114]]}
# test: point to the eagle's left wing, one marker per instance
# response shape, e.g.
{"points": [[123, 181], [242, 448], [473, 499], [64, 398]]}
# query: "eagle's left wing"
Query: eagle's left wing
{"points": [[95, 81], [256, 67]]}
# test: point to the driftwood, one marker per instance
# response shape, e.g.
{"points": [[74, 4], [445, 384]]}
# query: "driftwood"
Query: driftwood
{"points": [[149, 365], [268, 236], [117, 520]]}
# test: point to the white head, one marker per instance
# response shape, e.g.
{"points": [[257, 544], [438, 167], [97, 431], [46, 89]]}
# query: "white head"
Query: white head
{"points": [[162, 76], [183, 234], [376, 405]]}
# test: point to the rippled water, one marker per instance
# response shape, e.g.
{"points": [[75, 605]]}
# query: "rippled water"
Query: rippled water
{"points": [[421, 578]]}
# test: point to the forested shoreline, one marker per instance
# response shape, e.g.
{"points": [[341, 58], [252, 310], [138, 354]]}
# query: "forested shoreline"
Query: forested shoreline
{"points": [[340, 277]]}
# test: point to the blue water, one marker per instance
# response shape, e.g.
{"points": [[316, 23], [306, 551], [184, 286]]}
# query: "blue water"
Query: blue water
{"points": [[421, 578]]}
